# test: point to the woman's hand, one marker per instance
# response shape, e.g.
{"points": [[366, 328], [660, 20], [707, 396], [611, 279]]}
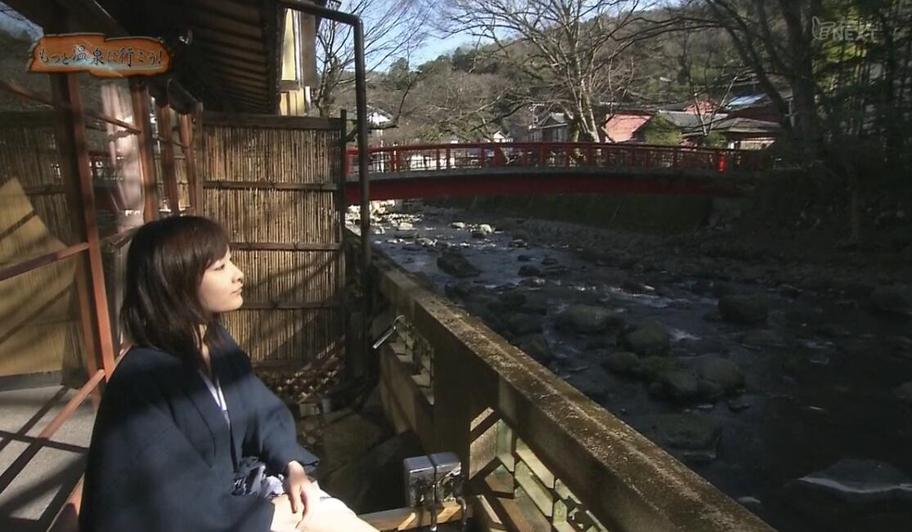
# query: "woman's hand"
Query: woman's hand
{"points": [[299, 488], [284, 518]]}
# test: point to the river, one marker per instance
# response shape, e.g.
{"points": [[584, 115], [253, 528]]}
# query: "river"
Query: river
{"points": [[792, 396]]}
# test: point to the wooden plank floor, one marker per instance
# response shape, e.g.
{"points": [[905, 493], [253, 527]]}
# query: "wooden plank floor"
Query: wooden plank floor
{"points": [[33, 498]]}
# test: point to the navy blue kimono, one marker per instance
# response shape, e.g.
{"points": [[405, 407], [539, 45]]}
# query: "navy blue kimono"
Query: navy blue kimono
{"points": [[163, 457]]}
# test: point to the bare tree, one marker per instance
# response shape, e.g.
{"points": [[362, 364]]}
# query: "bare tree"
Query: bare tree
{"points": [[774, 38], [566, 49], [392, 29]]}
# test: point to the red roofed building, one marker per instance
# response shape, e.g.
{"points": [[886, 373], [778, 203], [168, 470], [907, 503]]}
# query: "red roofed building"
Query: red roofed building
{"points": [[623, 126]]}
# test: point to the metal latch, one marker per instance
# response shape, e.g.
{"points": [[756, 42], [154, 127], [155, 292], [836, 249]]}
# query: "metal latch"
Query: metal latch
{"points": [[388, 332]]}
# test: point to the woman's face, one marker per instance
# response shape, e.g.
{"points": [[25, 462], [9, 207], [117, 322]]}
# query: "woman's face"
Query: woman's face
{"points": [[221, 287]]}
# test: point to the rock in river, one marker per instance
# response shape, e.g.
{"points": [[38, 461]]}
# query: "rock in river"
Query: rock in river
{"points": [[648, 338], [721, 371], [455, 264], [694, 436], [588, 319], [857, 482], [889, 300], [744, 309], [623, 362]]}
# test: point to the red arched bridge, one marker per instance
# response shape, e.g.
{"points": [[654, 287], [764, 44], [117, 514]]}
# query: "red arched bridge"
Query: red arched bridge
{"points": [[524, 168]]}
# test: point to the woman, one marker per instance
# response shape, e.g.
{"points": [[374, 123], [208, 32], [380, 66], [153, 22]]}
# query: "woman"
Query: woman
{"points": [[186, 436]]}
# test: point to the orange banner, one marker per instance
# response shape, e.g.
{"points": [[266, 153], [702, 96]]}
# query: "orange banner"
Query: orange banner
{"points": [[93, 53]]}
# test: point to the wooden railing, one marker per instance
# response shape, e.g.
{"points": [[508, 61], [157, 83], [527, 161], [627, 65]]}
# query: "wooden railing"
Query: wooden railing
{"points": [[447, 157], [538, 454]]}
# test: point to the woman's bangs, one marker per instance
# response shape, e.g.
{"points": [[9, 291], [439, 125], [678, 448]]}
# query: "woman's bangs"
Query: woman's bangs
{"points": [[212, 241]]}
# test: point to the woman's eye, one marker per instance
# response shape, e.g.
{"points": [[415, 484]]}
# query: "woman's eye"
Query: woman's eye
{"points": [[220, 267]]}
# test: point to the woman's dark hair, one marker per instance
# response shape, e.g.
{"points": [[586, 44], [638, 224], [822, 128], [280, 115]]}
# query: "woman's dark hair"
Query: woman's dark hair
{"points": [[165, 266]]}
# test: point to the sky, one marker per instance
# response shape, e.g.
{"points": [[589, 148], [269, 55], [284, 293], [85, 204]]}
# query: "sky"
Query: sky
{"points": [[436, 46]]}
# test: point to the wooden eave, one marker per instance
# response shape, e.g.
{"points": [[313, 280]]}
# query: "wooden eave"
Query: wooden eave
{"points": [[232, 61]]}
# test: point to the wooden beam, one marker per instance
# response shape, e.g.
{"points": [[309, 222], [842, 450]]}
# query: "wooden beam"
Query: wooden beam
{"points": [[234, 74], [292, 305], [269, 185], [412, 518], [163, 112], [194, 183], [8, 272], [247, 28], [230, 9], [255, 85], [235, 65], [284, 122], [215, 49], [78, 176], [139, 94], [285, 246], [226, 38]]}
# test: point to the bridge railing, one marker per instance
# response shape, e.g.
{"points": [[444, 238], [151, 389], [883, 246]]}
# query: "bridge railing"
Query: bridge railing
{"points": [[443, 157]]}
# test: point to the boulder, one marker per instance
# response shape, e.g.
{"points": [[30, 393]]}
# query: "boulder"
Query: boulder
{"points": [[588, 319], [458, 225], [709, 390], [693, 436], [648, 338], [632, 287], [455, 264], [652, 368], [680, 385], [536, 346], [721, 371], [747, 310], [623, 362], [762, 338], [527, 270], [523, 324], [512, 299], [903, 392], [554, 270], [892, 301], [857, 482], [485, 229], [463, 289]]}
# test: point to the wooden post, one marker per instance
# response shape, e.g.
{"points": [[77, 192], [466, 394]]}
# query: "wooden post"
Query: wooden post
{"points": [[77, 173], [139, 94], [194, 184], [163, 112]]}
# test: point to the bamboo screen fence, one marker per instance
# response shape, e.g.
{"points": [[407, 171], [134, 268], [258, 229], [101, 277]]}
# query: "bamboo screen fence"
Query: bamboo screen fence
{"points": [[39, 327], [275, 183]]}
